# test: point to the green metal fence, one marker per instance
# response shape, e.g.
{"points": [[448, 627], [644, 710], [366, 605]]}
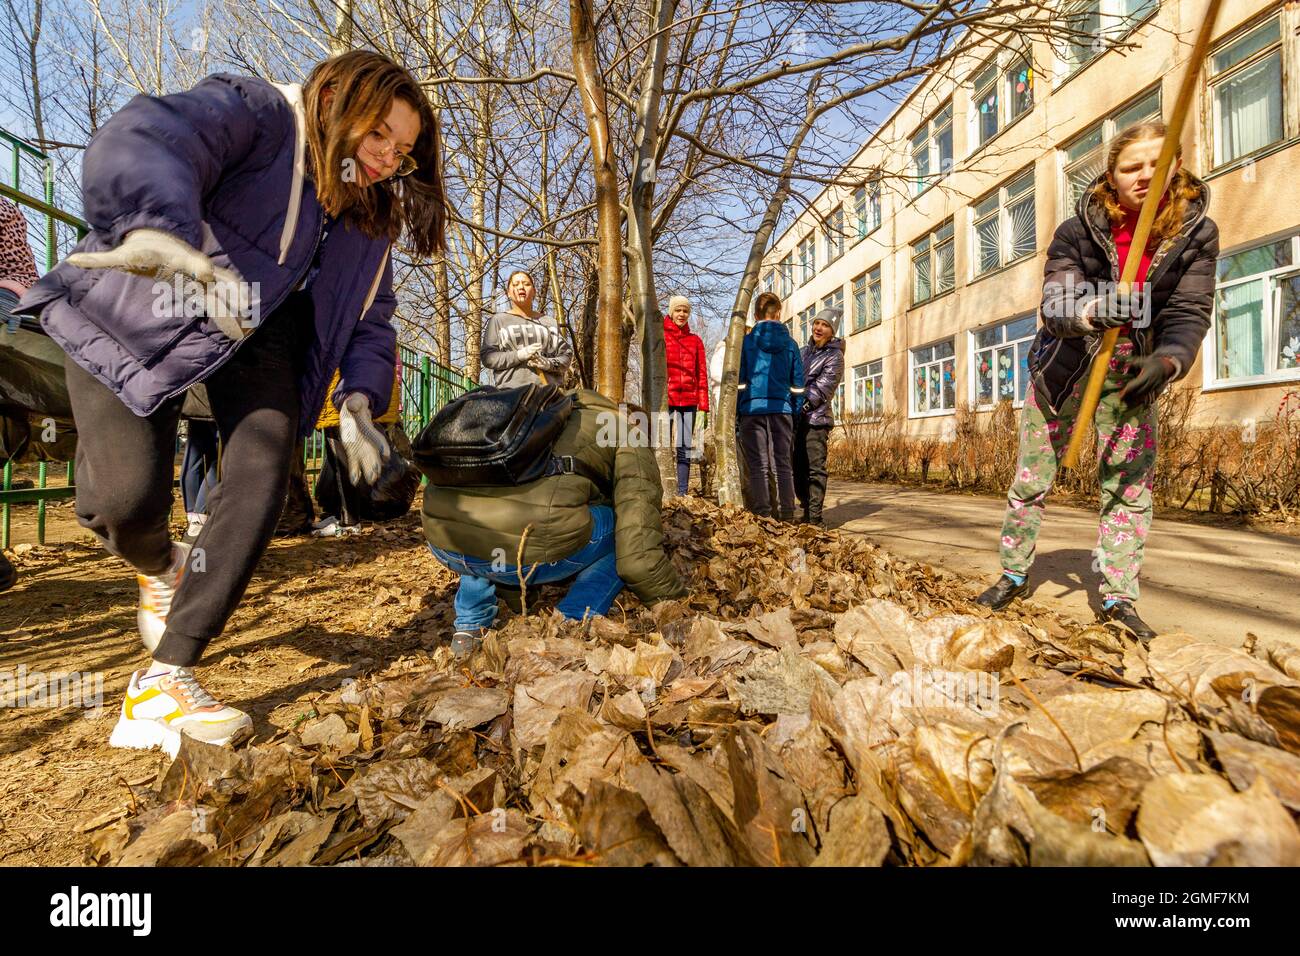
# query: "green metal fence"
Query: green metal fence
{"points": [[425, 385]]}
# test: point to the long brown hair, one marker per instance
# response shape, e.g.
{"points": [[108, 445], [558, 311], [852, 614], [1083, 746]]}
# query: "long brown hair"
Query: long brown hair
{"points": [[364, 85], [768, 302], [1183, 189]]}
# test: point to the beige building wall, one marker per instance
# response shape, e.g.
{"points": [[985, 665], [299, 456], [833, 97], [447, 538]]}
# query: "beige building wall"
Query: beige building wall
{"points": [[1250, 201]]}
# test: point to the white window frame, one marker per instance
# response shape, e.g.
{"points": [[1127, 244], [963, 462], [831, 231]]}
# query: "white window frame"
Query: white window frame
{"points": [[866, 208], [911, 374], [930, 130], [933, 241], [769, 281], [974, 350], [804, 319], [1006, 254], [1272, 302], [1001, 64], [786, 271], [835, 234], [870, 298], [1286, 47], [1108, 126], [806, 258], [862, 374], [1113, 27]]}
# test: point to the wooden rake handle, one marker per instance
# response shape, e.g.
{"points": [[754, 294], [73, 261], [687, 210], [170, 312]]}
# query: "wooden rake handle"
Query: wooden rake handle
{"points": [[1173, 133]]}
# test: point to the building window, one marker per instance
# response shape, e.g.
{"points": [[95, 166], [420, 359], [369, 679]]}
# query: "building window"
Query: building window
{"points": [[1085, 157], [787, 276], [932, 264], [932, 151], [1001, 361], [835, 234], [869, 389], [769, 281], [1093, 26], [866, 208], [866, 300], [1246, 92], [933, 388], [837, 402], [1256, 329], [1001, 93], [1003, 225], [804, 324], [807, 253]]}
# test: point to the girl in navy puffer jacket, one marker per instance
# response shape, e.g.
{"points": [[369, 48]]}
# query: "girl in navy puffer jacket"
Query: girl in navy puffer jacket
{"points": [[240, 236]]}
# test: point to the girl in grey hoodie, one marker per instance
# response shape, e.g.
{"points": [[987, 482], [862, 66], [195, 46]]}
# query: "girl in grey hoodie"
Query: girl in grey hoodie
{"points": [[520, 347]]}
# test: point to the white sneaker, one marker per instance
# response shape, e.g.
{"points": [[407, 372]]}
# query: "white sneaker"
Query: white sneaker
{"points": [[156, 597], [326, 527], [171, 705], [196, 522]]}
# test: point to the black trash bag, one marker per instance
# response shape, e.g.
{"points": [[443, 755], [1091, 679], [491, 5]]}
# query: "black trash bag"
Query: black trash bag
{"points": [[390, 497], [35, 411], [29, 437], [31, 374], [298, 513]]}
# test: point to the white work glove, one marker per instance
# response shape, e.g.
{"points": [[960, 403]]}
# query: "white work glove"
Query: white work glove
{"points": [[149, 252], [364, 447], [529, 352], [160, 255]]}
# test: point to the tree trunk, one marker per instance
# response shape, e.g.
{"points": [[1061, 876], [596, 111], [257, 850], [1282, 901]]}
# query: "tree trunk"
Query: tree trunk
{"points": [[441, 312], [611, 358], [341, 41], [647, 317]]}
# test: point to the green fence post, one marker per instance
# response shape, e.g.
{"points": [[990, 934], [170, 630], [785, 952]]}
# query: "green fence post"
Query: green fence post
{"points": [[8, 481], [40, 505], [426, 374]]}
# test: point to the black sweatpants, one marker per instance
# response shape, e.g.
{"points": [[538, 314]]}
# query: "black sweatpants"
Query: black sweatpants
{"points": [[766, 442], [126, 466], [810, 467]]}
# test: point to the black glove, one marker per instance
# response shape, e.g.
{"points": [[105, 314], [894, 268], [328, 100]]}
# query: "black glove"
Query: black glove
{"points": [[1114, 309], [1152, 372]]}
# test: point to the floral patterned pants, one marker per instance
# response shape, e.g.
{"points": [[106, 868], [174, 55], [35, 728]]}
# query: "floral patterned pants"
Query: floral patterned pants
{"points": [[1126, 450]]}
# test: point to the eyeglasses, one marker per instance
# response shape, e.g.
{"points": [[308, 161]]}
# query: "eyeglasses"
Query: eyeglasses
{"points": [[381, 145]]}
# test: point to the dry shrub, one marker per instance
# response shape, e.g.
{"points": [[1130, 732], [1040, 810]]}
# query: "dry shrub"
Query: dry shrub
{"points": [[1242, 469]]}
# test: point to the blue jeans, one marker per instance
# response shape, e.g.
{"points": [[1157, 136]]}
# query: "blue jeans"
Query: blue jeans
{"points": [[683, 424], [595, 578], [199, 466]]}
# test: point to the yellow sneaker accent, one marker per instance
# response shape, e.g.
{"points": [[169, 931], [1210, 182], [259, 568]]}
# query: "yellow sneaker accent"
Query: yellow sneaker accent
{"points": [[174, 704]]}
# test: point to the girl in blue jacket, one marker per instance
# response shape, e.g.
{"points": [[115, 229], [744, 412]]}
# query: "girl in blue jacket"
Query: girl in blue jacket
{"points": [[770, 396], [240, 236]]}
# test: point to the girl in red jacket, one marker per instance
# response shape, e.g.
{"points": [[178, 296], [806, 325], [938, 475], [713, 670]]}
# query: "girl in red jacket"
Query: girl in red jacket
{"points": [[688, 382]]}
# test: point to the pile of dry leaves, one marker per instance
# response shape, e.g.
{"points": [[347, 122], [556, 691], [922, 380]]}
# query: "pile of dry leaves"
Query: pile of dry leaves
{"points": [[815, 701]]}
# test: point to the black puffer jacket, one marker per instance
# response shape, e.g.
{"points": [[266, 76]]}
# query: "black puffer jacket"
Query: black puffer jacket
{"points": [[1180, 283], [823, 367]]}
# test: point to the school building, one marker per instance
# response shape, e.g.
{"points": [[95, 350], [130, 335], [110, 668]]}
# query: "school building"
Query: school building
{"points": [[938, 258]]}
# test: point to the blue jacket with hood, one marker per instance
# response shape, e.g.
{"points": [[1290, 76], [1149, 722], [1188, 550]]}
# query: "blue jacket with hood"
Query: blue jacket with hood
{"points": [[771, 372]]}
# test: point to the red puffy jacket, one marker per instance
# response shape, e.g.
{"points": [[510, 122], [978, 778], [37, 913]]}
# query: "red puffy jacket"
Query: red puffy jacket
{"points": [[688, 369]]}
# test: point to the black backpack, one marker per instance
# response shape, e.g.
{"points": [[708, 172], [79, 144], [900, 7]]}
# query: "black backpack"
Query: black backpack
{"points": [[498, 436]]}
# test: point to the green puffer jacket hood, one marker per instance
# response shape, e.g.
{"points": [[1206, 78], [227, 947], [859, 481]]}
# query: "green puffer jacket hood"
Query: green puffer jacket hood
{"points": [[487, 522]]}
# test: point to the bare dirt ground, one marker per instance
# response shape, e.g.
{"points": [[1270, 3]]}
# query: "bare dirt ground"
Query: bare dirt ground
{"points": [[319, 611]]}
